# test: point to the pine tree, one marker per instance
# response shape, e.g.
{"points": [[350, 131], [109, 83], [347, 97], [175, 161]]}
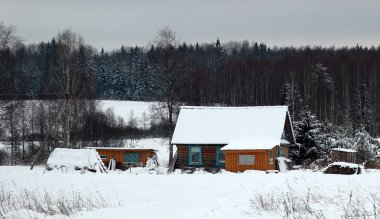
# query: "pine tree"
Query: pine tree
{"points": [[103, 76], [362, 112], [323, 91], [308, 132], [219, 57]]}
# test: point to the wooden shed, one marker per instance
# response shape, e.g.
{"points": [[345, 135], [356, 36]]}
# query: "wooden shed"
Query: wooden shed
{"points": [[343, 155], [254, 155], [232, 138], [125, 157]]}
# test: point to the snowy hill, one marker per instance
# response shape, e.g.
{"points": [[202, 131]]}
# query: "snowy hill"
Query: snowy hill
{"points": [[138, 110]]}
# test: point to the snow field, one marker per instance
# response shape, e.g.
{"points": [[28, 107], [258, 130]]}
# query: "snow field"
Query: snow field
{"points": [[140, 109], [204, 195]]}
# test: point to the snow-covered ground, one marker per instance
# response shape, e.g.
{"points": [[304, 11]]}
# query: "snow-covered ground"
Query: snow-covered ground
{"points": [[126, 109], [252, 194]]}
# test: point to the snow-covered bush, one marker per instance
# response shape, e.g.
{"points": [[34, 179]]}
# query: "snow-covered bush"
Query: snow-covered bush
{"points": [[151, 163], [365, 145]]}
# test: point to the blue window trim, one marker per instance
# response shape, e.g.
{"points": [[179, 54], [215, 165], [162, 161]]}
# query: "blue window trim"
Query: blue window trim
{"points": [[217, 156], [190, 158]]}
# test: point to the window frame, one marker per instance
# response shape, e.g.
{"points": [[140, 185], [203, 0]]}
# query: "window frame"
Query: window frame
{"points": [[253, 159], [191, 158], [217, 156]]}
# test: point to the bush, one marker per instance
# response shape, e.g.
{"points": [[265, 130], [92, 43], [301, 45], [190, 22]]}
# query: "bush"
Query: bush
{"points": [[311, 204], [68, 203]]}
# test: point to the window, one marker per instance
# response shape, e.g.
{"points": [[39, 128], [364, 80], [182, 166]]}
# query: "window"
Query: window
{"points": [[132, 157], [281, 151], [220, 156], [195, 154], [246, 159], [270, 157], [103, 157]]}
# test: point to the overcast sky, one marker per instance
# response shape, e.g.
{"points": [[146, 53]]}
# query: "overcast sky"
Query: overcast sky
{"points": [[113, 23]]}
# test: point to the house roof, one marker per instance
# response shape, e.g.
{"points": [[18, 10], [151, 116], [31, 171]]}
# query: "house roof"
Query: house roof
{"points": [[251, 144], [121, 148], [261, 126]]}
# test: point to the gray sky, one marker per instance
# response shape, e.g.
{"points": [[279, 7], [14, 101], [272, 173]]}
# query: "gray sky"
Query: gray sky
{"points": [[275, 22]]}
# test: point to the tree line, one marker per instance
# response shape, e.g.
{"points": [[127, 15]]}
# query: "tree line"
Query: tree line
{"points": [[339, 86]]}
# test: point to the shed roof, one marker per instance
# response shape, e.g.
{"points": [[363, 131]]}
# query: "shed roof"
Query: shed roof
{"points": [[344, 150], [261, 126]]}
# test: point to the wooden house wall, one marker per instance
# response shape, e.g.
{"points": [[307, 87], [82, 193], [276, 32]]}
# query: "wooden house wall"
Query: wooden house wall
{"points": [[286, 150], [120, 154], [232, 158], [289, 135], [261, 160], [208, 156], [117, 154]]}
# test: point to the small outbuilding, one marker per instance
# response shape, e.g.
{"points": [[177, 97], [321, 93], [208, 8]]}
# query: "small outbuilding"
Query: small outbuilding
{"points": [[232, 138], [125, 157], [343, 155], [75, 159]]}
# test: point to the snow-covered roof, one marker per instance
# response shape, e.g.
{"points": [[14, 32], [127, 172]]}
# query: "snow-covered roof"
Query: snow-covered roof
{"points": [[74, 158], [249, 127], [284, 141], [119, 148], [251, 144], [343, 149]]}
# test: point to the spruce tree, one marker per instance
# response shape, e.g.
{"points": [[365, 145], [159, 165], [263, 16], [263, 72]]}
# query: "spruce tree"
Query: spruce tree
{"points": [[308, 136], [362, 111]]}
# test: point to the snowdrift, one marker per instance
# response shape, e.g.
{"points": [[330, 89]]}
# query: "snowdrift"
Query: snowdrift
{"points": [[77, 159]]}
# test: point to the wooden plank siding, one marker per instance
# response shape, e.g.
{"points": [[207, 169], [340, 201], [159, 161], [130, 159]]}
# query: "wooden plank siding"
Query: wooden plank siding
{"points": [[343, 156], [261, 160], [118, 155], [208, 156]]}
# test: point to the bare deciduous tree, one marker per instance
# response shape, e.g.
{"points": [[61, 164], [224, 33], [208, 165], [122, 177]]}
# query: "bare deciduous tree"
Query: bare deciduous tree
{"points": [[169, 66], [8, 38]]}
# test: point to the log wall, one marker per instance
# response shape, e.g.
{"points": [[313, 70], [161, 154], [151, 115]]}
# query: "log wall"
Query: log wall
{"points": [[208, 156]]}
